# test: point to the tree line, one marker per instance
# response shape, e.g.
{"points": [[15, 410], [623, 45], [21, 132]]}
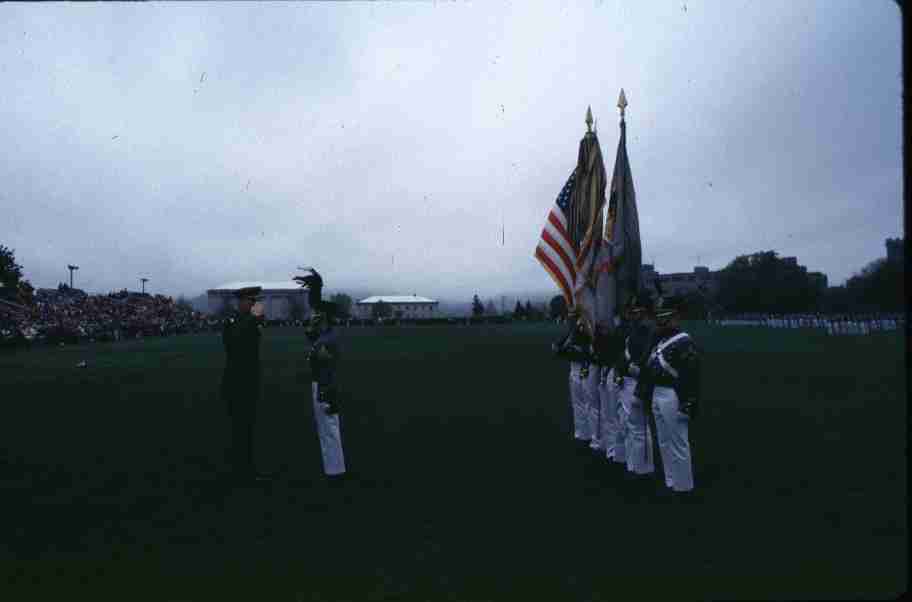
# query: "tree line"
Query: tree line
{"points": [[763, 282]]}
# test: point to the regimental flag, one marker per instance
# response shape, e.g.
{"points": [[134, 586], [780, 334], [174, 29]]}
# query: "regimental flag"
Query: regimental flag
{"points": [[619, 265], [572, 235], [588, 224]]}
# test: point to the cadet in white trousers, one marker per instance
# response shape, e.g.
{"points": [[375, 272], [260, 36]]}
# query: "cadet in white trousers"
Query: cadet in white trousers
{"points": [[671, 380], [573, 347], [604, 350], [323, 359], [593, 395], [634, 428]]}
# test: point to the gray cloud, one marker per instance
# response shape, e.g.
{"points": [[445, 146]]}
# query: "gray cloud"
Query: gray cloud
{"points": [[418, 147]]}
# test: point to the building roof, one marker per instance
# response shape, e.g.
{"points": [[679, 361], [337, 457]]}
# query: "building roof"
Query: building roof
{"points": [[288, 285], [395, 299]]}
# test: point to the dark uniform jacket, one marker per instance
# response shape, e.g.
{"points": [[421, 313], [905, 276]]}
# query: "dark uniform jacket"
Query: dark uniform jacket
{"points": [[323, 370], [241, 379], [684, 357], [637, 338], [574, 346]]}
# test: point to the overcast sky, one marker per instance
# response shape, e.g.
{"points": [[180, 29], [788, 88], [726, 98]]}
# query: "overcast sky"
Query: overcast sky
{"points": [[387, 143]]}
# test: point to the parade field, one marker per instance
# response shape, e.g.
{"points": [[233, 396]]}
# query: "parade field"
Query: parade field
{"points": [[465, 482]]}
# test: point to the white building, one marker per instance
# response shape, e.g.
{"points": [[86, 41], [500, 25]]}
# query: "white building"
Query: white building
{"points": [[401, 306], [281, 300]]}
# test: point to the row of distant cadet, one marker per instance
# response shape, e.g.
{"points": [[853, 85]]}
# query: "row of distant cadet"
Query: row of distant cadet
{"points": [[833, 325]]}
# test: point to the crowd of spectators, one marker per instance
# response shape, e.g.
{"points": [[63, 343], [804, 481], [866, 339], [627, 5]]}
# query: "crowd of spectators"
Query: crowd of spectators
{"points": [[70, 315]]}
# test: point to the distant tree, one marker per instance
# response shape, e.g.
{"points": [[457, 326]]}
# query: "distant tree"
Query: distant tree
{"points": [[490, 308], [764, 282], [879, 286], [10, 271], [477, 307], [26, 292], [837, 300], [519, 312], [557, 307], [343, 305], [183, 303], [536, 313], [19, 288], [382, 310]]}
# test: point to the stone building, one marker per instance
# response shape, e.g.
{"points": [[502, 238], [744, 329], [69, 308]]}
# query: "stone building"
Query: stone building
{"points": [[401, 306]]}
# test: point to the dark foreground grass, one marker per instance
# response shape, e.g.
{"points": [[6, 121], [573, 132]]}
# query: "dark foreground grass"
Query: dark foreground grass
{"points": [[467, 485]]}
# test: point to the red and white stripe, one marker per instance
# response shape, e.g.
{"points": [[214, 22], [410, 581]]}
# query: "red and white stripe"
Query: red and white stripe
{"points": [[556, 255]]}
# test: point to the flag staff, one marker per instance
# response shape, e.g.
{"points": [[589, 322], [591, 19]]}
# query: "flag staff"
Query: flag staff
{"points": [[622, 104]]}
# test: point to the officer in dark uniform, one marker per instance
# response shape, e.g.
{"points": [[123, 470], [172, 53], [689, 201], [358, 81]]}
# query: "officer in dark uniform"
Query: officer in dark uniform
{"points": [[670, 380], [241, 378], [323, 358]]}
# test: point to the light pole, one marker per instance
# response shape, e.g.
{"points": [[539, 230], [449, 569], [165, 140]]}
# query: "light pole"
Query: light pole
{"points": [[72, 268], [144, 281]]}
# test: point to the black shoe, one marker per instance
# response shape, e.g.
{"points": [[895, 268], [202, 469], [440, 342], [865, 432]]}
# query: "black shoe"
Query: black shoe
{"points": [[684, 498], [336, 480], [262, 477]]}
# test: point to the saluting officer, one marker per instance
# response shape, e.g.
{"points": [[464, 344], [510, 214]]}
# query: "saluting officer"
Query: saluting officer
{"points": [[637, 435], [671, 381], [323, 358], [241, 379]]}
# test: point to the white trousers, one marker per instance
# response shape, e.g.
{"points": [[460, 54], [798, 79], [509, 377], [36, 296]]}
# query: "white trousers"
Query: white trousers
{"points": [[578, 404], [672, 426], [637, 434], [328, 430], [592, 393], [612, 438]]}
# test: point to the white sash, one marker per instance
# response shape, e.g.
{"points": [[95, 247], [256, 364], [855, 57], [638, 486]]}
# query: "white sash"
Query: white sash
{"points": [[657, 353]]}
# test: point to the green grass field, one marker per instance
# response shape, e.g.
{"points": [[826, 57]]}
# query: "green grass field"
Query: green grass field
{"points": [[468, 486]]}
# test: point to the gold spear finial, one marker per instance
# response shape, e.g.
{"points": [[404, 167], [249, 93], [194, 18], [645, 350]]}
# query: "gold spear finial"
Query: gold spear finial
{"points": [[622, 102], [589, 120]]}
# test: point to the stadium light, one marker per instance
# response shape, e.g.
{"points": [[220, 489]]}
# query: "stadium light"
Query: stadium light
{"points": [[144, 281], [72, 268]]}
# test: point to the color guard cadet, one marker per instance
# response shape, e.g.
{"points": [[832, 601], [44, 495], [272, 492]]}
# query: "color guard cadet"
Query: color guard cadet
{"points": [[605, 348], [241, 379], [323, 359], [670, 379], [574, 346], [637, 433]]}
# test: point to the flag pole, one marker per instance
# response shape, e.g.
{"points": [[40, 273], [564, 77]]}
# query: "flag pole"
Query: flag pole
{"points": [[622, 104]]}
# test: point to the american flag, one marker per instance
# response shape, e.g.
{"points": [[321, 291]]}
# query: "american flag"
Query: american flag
{"points": [[556, 250]]}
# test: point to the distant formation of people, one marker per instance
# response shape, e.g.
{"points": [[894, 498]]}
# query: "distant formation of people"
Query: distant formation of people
{"points": [[838, 324]]}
